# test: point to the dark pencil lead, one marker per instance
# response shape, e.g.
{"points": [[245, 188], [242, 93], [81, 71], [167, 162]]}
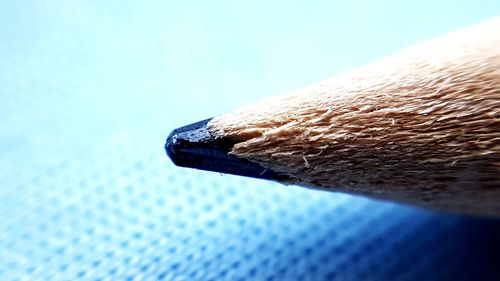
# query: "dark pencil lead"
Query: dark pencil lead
{"points": [[193, 146]]}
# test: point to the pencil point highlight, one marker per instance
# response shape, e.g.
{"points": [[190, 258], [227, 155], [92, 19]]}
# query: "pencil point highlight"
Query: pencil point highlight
{"points": [[193, 146]]}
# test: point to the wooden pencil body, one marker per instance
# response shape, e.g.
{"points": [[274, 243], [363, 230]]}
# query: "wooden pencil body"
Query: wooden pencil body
{"points": [[421, 127]]}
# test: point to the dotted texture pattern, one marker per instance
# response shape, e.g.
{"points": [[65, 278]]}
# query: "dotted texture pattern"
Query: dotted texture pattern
{"points": [[90, 89]]}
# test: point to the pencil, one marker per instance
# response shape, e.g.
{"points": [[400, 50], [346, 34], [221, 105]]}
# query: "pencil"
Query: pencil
{"points": [[420, 127]]}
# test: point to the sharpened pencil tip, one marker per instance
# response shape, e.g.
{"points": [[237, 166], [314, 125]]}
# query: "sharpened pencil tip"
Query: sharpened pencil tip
{"points": [[193, 146]]}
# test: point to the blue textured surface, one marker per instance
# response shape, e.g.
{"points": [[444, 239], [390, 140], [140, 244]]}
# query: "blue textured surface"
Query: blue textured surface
{"points": [[90, 89]]}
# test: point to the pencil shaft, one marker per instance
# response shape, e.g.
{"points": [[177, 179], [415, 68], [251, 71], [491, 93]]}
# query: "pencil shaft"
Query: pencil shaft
{"points": [[421, 126]]}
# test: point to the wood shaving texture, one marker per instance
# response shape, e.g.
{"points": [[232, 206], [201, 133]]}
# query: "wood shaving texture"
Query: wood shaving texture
{"points": [[421, 127]]}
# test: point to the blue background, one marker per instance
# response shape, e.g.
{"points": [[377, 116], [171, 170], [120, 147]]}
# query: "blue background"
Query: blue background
{"points": [[89, 90]]}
